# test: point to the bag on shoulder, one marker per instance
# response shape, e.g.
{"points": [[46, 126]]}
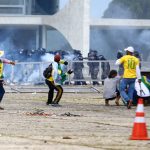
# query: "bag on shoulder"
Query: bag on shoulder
{"points": [[47, 73]]}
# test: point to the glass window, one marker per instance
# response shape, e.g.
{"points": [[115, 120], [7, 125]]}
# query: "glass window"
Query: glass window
{"points": [[11, 10], [45, 7], [11, 2]]}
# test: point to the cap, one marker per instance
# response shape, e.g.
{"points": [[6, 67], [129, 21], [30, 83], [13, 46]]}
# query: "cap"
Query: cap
{"points": [[130, 49], [57, 58]]}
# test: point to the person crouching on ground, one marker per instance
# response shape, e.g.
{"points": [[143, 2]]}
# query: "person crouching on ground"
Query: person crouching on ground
{"points": [[131, 72], [110, 88], [56, 80], [2, 61]]}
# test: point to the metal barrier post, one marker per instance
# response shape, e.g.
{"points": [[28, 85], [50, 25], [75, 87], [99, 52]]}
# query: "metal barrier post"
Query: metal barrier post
{"points": [[69, 78], [12, 73], [100, 71], [40, 72]]}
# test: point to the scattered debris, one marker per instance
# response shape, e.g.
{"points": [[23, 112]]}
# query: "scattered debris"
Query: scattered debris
{"points": [[67, 137], [68, 114], [38, 112], [45, 141], [96, 89]]}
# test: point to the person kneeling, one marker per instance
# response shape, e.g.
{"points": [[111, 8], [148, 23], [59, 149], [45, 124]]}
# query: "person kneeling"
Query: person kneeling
{"points": [[110, 88]]}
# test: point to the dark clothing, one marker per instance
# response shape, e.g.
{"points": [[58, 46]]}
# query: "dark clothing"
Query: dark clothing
{"points": [[93, 71], [2, 91], [78, 74], [105, 66], [53, 87]]}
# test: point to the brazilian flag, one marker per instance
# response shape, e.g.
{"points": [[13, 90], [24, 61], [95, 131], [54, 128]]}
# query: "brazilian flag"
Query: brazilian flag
{"points": [[146, 82]]}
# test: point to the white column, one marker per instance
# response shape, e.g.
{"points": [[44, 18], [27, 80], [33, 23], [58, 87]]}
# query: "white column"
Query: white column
{"points": [[37, 37], [74, 23], [44, 37], [86, 28]]}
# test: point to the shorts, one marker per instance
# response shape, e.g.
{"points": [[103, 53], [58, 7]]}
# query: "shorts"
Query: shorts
{"points": [[117, 94]]}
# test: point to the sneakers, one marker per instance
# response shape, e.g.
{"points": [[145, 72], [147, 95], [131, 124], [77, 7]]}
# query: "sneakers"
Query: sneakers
{"points": [[129, 104], [55, 105], [48, 103]]}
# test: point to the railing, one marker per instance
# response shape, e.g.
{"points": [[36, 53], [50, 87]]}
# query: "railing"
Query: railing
{"points": [[88, 72]]}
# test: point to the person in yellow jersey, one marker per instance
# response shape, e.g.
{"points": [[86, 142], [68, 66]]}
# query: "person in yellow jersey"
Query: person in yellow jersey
{"points": [[55, 81], [2, 61], [131, 72]]}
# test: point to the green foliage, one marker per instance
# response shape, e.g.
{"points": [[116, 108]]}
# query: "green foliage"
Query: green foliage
{"points": [[135, 9]]}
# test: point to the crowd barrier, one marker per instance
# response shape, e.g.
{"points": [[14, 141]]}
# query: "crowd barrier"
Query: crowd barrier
{"points": [[84, 71]]}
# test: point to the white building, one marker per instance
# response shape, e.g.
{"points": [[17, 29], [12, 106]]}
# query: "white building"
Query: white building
{"points": [[33, 24]]}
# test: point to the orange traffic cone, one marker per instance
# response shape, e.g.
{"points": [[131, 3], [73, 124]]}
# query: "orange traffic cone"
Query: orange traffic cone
{"points": [[139, 131]]}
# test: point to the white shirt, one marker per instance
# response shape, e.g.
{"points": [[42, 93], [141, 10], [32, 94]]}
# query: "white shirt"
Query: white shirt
{"points": [[110, 86]]}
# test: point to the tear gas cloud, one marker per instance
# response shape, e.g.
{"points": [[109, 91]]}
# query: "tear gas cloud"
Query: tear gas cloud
{"points": [[33, 72], [107, 41], [28, 72], [111, 39]]}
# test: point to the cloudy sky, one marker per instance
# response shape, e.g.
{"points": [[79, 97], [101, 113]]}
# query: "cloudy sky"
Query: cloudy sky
{"points": [[97, 6]]}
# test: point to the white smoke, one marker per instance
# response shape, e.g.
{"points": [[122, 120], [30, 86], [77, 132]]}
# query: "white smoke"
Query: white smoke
{"points": [[47, 57], [108, 40], [34, 77]]}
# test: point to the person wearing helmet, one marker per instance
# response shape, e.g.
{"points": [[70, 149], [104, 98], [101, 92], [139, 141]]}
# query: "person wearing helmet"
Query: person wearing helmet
{"points": [[137, 55], [105, 68], [131, 72], [93, 66], [120, 70], [55, 81], [2, 61], [78, 66]]}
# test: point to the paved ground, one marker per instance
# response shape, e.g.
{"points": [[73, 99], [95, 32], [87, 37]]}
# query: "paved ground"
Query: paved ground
{"points": [[94, 125]]}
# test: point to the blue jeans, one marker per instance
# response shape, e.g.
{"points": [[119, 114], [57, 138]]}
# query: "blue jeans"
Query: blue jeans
{"points": [[127, 83], [2, 91]]}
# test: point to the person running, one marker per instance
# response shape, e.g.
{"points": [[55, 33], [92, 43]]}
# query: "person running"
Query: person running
{"points": [[110, 88], [2, 61], [131, 72], [55, 81]]}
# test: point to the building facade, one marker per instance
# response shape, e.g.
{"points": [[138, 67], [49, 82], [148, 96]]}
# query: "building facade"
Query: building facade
{"points": [[38, 24], [23, 35], [29, 7]]}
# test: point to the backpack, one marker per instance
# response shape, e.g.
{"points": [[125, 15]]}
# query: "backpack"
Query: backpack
{"points": [[47, 73]]}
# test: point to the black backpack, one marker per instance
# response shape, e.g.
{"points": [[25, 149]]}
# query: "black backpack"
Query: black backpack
{"points": [[47, 73]]}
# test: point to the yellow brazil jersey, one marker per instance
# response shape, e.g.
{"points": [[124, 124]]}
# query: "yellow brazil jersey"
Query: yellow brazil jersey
{"points": [[1, 70], [129, 63]]}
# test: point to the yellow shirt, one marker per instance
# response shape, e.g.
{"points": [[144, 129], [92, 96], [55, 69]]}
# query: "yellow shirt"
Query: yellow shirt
{"points": [[1, 70], [51, 77], [129, 63]]}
